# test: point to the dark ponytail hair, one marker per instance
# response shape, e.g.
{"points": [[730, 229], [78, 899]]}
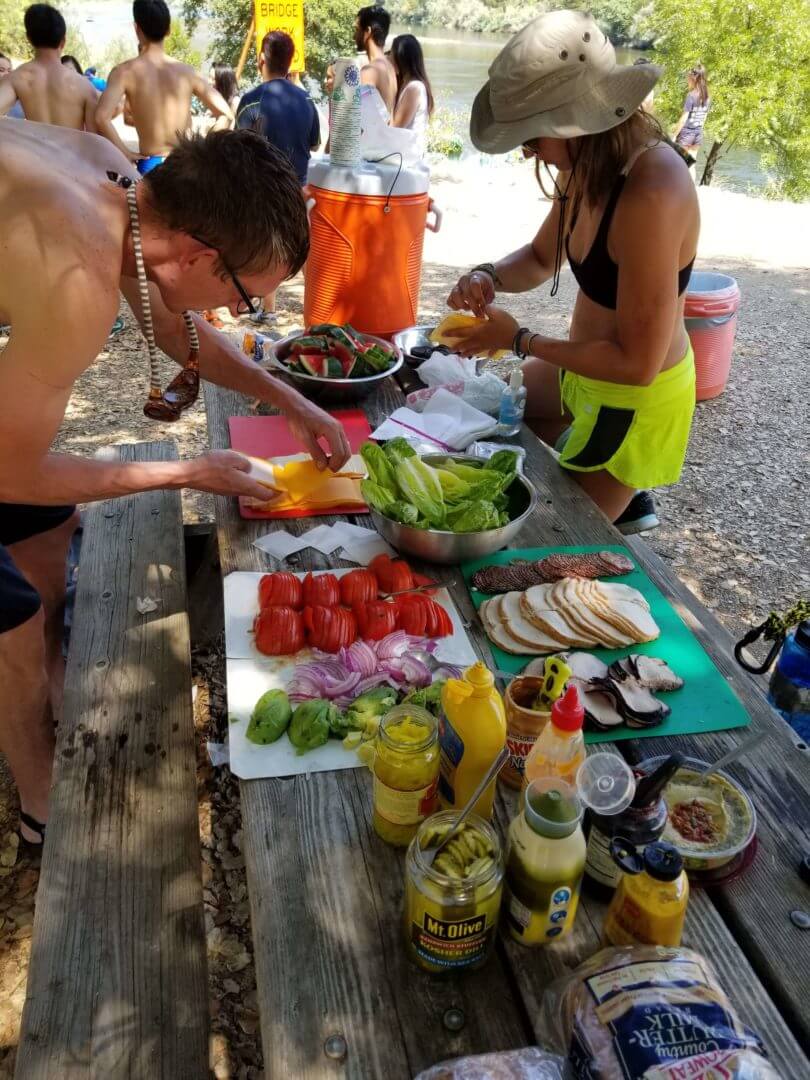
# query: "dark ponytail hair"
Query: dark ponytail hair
{"points": [[409, 60], [698, 73], [225, 81]]}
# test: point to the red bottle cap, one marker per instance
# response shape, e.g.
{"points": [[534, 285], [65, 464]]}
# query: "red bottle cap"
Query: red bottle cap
{"points": [[567, 712]]}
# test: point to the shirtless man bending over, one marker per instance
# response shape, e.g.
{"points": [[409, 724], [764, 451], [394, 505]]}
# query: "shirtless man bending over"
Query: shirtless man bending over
{"points": [[221, 221], [370, 31], [158, 92], [47, 90]]}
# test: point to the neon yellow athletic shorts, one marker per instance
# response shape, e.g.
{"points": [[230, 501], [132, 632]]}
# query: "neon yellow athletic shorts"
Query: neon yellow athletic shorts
{"points": [[638, 434]]}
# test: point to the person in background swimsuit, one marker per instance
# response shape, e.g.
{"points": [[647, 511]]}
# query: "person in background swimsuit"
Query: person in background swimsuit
{"points": [[49, 92], [626, 216], [158, 92], [688, 132]]}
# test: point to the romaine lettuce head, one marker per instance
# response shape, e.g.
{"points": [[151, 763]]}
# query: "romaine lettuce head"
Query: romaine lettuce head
{"points": [[399, 449], [470, 473], [403, 512], [475, 516], [488, 486], [380, 469], [419, 484], [504, 461], [454, 488], [379, 498]]}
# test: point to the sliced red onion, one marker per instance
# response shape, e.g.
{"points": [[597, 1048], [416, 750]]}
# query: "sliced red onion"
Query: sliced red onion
{"points": [[372, 682], [447, 671], [416, 672], [360, 657], [392, 646]]}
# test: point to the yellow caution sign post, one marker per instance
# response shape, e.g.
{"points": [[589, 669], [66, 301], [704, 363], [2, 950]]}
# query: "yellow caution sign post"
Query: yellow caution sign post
{"points": [[286, 15]]}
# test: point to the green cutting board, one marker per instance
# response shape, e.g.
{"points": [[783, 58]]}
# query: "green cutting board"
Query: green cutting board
{"points": [[705, 703]]}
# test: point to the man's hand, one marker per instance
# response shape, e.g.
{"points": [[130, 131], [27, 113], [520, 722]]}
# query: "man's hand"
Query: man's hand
{"points": [[309, 425], [498, 332], [473, 292], [224, 472]]}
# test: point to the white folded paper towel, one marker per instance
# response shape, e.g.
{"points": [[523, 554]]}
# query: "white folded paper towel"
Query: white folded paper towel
{"points": [[447, 421]]}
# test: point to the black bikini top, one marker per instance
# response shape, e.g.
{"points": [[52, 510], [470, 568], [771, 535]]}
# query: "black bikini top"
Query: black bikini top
{"points": [[598, 275]]}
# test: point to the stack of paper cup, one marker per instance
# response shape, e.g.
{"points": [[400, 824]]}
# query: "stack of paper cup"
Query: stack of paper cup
{"points": [[345, 132]]}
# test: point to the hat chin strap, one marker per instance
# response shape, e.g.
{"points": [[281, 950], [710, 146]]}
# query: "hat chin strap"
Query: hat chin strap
{"points": [[561, 197]]}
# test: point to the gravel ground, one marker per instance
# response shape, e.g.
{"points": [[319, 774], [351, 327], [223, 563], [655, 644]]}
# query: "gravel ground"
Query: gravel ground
{"points": [[735, 529]]}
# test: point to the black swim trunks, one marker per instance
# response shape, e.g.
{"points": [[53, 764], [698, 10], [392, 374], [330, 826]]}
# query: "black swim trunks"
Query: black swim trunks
{"points": [[19, 600]]}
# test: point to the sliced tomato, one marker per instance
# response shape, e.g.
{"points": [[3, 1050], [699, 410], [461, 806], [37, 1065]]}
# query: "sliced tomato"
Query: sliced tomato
{"points": [[279, 631], [412, 614], [329, 628], [322, 590], [280, 590], [380, 566], [376, 620], [358, 587], [394, 575], [441, 625]]}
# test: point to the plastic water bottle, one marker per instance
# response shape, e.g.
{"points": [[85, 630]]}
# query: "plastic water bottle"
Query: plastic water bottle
{"points": [[513, 405], [789, 692]]}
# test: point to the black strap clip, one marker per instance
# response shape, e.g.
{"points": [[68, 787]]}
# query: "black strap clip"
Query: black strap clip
{"points": [[749, 639]]}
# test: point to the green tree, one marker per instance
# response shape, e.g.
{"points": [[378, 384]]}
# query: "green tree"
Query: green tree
{"points": [[328, 29], [757, 58], [178, 44], [14, 43]]}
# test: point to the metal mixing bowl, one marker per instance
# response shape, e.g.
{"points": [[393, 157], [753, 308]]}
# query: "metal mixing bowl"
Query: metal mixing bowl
{"points": [[336, 391], [413, 338], [449, 548]]}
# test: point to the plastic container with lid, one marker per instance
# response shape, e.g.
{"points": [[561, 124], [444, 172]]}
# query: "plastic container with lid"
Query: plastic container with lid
{"points": [[472, 732], [560, 748], [406, 771], [649, 906], [450, 919], [544, 863], [789, 690], [625, 804], [367, 231], [710, 315]]}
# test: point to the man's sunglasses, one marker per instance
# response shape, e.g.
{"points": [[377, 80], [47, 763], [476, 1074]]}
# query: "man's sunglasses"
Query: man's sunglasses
{"points": [[184, 389]]}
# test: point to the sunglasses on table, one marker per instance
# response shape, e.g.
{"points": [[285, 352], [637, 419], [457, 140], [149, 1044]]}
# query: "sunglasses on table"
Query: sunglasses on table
{"points": [[184, 389]]}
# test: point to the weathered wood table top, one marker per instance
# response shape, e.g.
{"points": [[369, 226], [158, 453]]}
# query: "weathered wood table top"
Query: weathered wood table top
{"points": [[326, 892]]}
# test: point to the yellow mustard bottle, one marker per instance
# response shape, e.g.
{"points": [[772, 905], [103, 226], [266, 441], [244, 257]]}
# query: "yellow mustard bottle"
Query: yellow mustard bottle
{"points": [[649, 905], [472, 732], [544, 864]]}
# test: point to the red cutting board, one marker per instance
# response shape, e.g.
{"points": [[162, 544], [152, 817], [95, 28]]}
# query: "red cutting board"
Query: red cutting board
{"points": [[269, 437]]}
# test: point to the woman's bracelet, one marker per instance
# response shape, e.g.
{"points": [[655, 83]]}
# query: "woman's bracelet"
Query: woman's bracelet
{"points": [[488, 268], [516, 349]]}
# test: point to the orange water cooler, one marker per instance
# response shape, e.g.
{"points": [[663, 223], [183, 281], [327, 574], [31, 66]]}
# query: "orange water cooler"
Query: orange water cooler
{"points": [[367, 231]]}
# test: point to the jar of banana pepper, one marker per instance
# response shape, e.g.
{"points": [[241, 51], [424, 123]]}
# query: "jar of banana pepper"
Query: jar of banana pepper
{"points": [[406, 773], [452, 905]]}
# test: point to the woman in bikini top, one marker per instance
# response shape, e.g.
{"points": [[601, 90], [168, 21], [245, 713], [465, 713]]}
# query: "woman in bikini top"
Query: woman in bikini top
{"points": [[625, 216]]}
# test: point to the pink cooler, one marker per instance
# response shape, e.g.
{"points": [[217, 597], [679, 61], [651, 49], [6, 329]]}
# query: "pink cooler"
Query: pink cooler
{"points": [[710, 314]]}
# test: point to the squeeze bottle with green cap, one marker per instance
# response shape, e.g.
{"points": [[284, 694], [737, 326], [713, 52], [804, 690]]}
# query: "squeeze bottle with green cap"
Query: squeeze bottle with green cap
{"points": [[472, 732], [560, 749], [544, 863]]}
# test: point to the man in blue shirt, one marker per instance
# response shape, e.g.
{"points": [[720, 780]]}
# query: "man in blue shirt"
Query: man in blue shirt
{"points": [[285, 115], [278, 109]]}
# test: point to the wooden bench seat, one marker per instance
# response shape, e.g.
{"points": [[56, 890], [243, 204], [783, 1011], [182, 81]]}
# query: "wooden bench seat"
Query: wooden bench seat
{"points": [[117, 981]]}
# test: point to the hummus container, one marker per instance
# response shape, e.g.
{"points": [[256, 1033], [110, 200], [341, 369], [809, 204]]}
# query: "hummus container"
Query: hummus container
{"points": [[723, 799]]}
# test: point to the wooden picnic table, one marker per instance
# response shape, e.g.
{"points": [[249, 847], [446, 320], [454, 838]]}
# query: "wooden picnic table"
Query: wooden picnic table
{"points": [[326, 892]]}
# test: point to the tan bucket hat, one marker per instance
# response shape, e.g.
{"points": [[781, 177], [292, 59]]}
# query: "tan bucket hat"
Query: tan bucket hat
{"points": [[557, 77]]}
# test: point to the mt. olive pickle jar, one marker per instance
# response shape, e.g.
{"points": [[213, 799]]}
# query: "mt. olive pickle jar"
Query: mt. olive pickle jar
{"points": [[452, 907], [406, 772]]}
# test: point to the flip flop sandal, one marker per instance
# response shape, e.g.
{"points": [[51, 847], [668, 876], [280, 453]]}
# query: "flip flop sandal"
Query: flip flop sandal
{"points": [[117, 327], [31, 847]]}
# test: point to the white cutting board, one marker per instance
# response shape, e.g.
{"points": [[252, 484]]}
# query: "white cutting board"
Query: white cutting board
{"points": [[249, 674]]}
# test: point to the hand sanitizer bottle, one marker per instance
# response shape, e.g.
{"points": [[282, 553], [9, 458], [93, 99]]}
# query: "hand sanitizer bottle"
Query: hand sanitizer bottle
{"points": [[513, 405]]}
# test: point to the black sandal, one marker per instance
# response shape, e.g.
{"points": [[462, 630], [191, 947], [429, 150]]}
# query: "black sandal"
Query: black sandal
{"points": [[31, 847]]}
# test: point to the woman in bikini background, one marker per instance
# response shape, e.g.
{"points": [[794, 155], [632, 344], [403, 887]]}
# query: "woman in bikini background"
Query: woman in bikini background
{"points": [[617, 397]]}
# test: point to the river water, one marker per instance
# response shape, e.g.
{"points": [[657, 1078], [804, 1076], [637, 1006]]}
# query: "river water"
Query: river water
{"points": [[457, 63]]}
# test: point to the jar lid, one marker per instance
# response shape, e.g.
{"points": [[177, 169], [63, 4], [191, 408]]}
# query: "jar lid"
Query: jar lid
{"points": [[663, 861], [802, 635], [552, 807], [605, 784]]}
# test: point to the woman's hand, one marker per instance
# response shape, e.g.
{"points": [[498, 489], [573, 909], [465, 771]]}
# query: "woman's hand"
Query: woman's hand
{"points": [[497, 332], [472, 293]]}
